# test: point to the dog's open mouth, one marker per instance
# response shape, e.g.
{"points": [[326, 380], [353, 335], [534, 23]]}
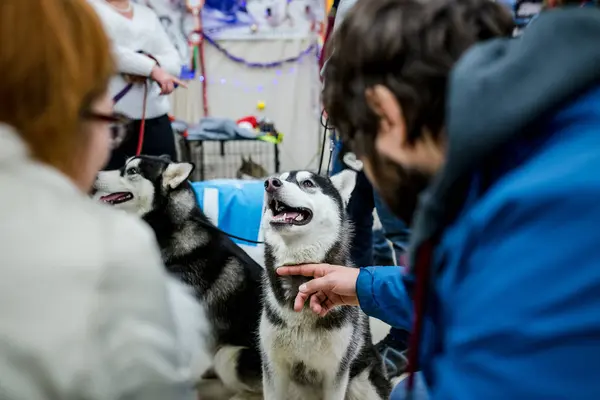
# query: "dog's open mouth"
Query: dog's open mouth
{"points": [[117, 198], [286, 215]]}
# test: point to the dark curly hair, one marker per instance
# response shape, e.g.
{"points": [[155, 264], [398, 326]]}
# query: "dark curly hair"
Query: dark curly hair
{"points": [[408, 46]]}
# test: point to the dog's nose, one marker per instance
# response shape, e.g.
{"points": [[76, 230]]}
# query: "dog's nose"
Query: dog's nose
{"points": [[272, 184], [269, 12]]}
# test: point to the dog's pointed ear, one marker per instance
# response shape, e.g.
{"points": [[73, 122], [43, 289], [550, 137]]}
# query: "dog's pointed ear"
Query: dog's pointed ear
{"points": [[177, 173], [243, 160], [344, 182], [249, 159]]}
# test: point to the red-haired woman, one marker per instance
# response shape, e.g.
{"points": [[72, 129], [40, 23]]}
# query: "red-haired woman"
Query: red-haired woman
{"points": [[86, 309]]}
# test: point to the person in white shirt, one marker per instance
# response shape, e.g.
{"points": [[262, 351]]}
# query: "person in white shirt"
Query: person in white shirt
{"points": [[87, 310], [141, 48]]}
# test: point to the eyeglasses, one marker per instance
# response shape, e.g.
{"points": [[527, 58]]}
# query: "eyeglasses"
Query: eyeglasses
{"points": [[118, 123]]}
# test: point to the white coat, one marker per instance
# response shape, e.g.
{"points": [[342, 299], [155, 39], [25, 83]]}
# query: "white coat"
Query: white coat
{"points": [[86, 308]]}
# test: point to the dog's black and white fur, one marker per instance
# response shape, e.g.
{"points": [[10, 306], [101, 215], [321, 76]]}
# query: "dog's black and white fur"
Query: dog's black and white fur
{"points": [[226, 281], [307, 357]]}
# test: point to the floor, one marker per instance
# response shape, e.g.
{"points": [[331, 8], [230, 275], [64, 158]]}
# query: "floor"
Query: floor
{"points": [[213, 390]]}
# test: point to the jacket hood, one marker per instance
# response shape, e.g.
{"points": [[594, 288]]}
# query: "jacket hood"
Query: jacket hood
{"points": [[500, 88]]}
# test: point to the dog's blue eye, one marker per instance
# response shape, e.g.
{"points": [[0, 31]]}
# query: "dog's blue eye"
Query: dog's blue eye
{"points": [[132, 171], [308, 184]]}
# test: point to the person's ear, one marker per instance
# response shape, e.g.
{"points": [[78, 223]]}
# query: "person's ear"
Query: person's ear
{"points": [[392, 138]]}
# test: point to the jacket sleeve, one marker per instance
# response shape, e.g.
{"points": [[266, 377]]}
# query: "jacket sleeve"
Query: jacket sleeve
{"points": [[143, 339], [382, 294], [525, 323], [164, 50]]}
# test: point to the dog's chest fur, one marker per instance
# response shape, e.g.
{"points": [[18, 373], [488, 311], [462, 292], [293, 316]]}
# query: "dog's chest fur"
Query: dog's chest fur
{"points": [[297, 345], [310, 350]]}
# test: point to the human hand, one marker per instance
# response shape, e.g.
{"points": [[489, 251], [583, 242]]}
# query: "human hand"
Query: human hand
{"points": [[166, 81], [333, 286]]}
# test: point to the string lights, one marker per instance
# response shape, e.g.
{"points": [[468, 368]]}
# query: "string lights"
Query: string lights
{"points": [[282, 67]]}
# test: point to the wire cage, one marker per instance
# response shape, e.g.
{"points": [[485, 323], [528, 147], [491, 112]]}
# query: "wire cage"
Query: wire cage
{"points": [[230, 159]]}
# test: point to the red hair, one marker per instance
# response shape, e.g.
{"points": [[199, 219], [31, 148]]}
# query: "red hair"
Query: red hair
{"points": [[54, 62]]}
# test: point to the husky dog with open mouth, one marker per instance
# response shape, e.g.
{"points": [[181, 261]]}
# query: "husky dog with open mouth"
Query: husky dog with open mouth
{"points": [[306, 356], [227, 282]]}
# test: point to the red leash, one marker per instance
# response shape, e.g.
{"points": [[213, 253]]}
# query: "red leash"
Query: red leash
{"points": [[203, 72], [143, 121]]}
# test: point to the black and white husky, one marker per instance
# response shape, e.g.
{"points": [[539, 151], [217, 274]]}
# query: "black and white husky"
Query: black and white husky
{"points": [[226, 281], [305, 356]]}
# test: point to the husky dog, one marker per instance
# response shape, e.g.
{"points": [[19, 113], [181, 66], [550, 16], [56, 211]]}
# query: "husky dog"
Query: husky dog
{"points": [[226, 281], [306, 356]]}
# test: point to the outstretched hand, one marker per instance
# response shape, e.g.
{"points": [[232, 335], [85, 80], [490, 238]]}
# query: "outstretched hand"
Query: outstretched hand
{"points": [[333, 286]]}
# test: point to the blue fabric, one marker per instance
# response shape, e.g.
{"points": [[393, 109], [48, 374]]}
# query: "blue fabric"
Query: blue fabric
{"points": [[337, 165], [521, 271], [214, 128], [240, 206]]}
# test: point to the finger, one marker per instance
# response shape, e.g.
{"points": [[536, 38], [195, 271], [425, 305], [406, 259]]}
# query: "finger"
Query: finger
{"points": [[299, 301], [329, 304], [313, 270], [163, 87], [323, 308], [170, 88], [318, 284], [180, 83], [316, 300], [316, 307]]}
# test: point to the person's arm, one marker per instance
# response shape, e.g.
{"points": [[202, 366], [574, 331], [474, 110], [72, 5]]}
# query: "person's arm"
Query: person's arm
{"points": [[524, 316], [131, 62], [382, 294], [163, 49], [141, 337]]}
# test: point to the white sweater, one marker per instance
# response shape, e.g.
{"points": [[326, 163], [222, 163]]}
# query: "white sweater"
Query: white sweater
{"points": [[142, 33]]}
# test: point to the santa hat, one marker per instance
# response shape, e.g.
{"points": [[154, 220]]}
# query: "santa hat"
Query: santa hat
{"points": [[250, 123]]}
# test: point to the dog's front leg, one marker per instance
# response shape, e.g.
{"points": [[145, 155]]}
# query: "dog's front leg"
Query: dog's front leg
{"points": [[275, 386], [335, 389]]}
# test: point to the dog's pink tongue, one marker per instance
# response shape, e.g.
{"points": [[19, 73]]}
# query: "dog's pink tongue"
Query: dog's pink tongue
{"points": [[288, 215], [111, 197]]}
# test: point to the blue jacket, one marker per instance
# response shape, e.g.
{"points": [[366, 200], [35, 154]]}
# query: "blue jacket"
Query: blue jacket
{"points": [[513, 305]]}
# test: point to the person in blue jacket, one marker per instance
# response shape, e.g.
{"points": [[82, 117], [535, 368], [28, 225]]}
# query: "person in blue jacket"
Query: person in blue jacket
{"points": [[505, 245]]}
